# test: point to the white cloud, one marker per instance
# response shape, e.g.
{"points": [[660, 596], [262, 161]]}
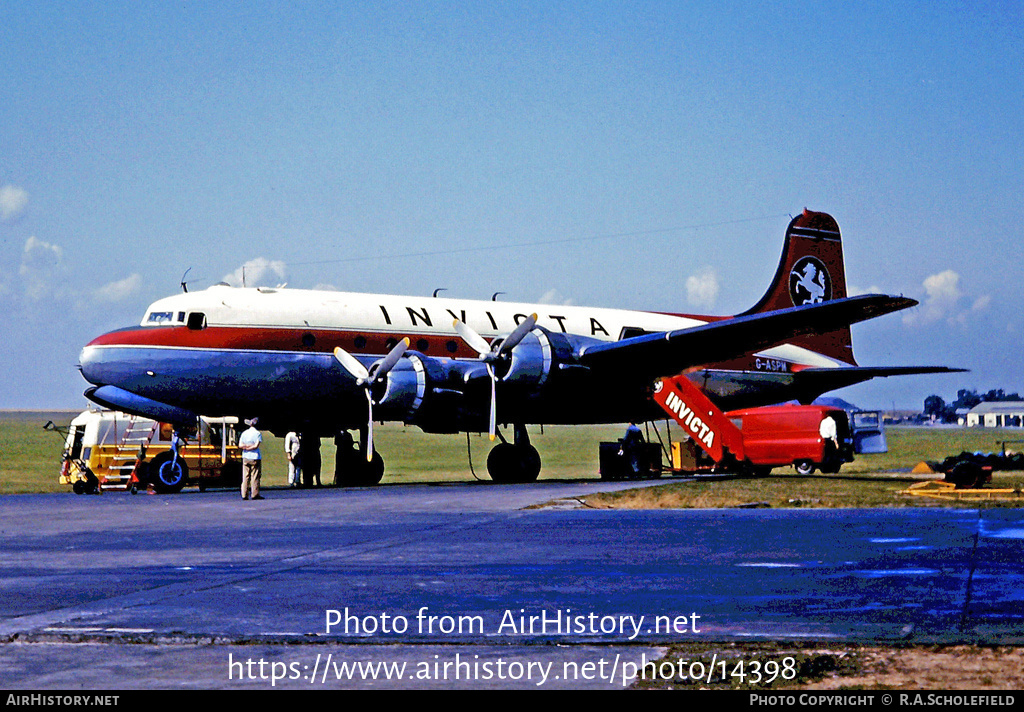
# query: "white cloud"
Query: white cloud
{"points": [[42, 267], [258, 272], [13, 201], [119, 290], [854, 290], [553, 296], [942, 301], [702, 288]]}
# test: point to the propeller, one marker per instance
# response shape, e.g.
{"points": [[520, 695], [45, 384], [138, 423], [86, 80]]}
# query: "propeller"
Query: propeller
{"points": [[366, 379], [490, 354]]}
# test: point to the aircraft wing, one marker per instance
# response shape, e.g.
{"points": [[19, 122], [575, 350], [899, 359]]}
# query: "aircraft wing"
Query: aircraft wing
{"points": [[665, 354]]}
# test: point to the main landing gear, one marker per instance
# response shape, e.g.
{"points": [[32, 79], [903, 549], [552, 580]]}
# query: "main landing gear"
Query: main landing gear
{"points": [[514, 462], [351, 468], [507, 463]]}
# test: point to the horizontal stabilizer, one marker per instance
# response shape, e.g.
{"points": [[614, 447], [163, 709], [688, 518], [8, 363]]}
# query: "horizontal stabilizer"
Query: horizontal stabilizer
{"points": [[668, 353], [822, 380]]}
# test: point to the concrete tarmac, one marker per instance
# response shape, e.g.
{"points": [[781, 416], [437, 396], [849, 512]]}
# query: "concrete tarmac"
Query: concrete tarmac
{"points": [[468, 585]]}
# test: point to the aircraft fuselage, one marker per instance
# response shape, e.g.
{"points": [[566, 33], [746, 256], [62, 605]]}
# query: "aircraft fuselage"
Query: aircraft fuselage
{"points": [[232, 351]]}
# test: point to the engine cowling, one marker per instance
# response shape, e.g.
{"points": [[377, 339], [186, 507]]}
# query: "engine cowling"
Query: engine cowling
{"points": [[405, 388], [530, 363], [534, 360]]}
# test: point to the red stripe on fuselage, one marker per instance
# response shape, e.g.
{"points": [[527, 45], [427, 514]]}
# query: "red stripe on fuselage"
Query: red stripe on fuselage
{"points": [[283, 339]]}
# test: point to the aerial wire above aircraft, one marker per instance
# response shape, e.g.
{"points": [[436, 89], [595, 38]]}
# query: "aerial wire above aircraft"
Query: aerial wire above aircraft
{"points": [[320, 362]]}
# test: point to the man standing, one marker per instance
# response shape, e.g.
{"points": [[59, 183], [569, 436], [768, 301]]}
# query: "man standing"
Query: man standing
{"points": [[632, 447], [252, 467], [291, 451], [829, 433]]}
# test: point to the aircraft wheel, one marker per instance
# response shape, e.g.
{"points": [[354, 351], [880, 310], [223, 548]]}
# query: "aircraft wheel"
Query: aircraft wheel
{"points": [[168, 475], [529, 464], [804, 467], [355, 471], [508, 463], [231, 474], [373, 471]]}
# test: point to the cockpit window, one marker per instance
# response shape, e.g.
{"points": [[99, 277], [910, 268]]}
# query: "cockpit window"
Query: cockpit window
{"points": [[196, 321], [160, 317]]}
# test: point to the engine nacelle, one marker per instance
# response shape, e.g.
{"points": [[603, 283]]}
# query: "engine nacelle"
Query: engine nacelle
{"points": [[533, 359], [404, 389]]}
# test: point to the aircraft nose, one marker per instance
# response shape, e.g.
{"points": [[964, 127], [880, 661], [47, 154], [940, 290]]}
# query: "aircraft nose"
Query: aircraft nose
{"points": [[87, 364]]}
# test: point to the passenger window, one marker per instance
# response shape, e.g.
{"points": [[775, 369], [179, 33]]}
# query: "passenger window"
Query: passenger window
{"points": [[196, 321]]}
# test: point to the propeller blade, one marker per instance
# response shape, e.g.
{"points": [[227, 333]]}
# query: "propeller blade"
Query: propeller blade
{"points": [[492, 426], [475, 341], [391, 359], [364, 379], [369, 426], [518, 334], [351, 364]]}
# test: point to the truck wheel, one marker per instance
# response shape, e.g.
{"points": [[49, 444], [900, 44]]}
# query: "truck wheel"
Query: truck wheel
{"points": [[748, 469], [804, 467], [831, 467]]}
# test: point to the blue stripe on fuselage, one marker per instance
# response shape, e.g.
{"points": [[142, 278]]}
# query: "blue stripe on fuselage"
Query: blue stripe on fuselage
{"points": [[211, 381]]}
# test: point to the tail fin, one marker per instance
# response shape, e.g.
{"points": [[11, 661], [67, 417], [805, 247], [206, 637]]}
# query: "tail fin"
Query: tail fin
{"points": [[811, 270]]}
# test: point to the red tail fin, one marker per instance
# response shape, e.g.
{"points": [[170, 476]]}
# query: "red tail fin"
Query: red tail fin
{"points": [[811, 270]]}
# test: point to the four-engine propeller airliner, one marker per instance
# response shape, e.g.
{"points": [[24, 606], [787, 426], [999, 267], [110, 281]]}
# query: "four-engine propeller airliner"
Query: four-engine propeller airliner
{"points": [[320, 362]]}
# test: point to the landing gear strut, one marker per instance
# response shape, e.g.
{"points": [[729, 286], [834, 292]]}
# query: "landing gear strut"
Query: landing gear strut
{"points": [[514, 462], [350, 466]]}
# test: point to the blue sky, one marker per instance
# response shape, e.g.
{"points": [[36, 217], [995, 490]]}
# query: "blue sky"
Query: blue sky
{"points": [[635, 155]]}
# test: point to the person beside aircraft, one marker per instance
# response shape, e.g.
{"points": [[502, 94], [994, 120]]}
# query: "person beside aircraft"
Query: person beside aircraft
{"points": [[293, 453], [632, 447], [252, 464]]}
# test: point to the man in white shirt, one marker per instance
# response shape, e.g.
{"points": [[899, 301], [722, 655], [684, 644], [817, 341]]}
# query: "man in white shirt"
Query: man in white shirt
{"points": [[291, 451], [252, 467], [830, 435]]}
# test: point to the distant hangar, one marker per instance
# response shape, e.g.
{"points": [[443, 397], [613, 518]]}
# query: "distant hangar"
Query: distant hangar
{"points": [[1002, 414]]}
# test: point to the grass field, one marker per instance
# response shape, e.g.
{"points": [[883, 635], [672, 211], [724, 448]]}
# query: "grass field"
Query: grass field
{"points": [[30, 462]]}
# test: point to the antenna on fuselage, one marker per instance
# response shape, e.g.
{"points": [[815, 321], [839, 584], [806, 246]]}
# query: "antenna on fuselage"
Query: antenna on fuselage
{"points": [[494, 297], [184, 284], [440, 289]]}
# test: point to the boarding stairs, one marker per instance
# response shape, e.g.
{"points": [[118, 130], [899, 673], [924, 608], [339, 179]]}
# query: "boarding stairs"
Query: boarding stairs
{"points": [[137, 434]]}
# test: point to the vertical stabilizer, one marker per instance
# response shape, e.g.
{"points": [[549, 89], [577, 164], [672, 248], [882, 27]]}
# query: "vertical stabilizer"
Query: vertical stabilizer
{"points": [[811, 271]]}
